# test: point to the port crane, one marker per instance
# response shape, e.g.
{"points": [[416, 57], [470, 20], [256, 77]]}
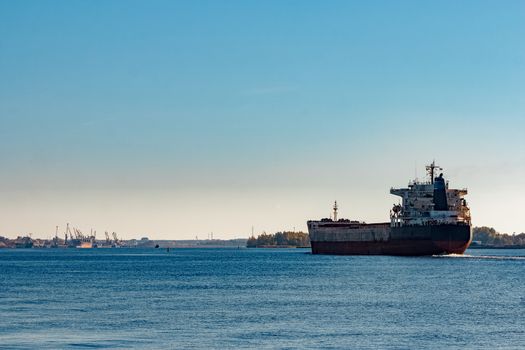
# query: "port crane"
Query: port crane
{"points": [[115, 238], [74, 236]]}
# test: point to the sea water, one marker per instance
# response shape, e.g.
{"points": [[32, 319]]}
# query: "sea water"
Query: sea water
{"points": [[259, 298]]}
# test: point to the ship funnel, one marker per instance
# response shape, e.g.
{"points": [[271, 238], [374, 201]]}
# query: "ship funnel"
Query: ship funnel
{"points": [[440, 193]]}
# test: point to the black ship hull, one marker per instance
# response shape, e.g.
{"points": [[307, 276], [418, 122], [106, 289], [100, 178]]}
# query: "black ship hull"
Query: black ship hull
{"points": [[406, 241]]}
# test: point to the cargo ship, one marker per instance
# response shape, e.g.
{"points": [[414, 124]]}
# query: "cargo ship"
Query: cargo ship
{"points": [[431, 219]]}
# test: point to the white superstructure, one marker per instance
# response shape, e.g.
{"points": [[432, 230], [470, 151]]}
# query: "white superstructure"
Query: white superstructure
{"points": [[429, 203]]}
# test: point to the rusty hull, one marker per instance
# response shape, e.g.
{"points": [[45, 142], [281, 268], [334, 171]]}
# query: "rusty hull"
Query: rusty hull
{"points": [[379, 239]]}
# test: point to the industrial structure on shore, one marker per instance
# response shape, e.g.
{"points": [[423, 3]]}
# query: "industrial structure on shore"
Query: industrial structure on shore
{"points": [[73, 238]]}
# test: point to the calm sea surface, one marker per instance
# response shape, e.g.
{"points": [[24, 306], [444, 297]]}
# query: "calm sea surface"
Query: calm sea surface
{"points": [[259, 298]]}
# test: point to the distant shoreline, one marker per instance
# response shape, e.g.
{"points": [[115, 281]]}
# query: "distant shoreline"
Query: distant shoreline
{"points": [[35, 243]]}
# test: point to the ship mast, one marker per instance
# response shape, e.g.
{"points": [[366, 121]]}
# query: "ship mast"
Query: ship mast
{"points": [[430, 170]]}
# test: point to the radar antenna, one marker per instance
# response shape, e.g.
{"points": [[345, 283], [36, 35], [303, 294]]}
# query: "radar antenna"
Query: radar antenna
{"points": [[431, 169]]}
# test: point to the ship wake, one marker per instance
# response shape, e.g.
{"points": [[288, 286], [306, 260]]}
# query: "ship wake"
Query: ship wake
{"points": [[480, 257]]}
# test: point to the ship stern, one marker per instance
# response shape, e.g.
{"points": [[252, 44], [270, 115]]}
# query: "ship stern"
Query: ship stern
{"points": [[452, 239]]}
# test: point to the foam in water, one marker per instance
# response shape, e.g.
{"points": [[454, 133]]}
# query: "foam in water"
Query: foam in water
{"points": [[480, 257]]}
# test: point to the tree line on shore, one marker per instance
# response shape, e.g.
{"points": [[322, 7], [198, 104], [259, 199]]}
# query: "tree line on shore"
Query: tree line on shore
{"points": [[286, 238], [489, 236]]}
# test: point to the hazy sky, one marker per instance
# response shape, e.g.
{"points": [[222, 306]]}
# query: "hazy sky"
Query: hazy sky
{"points": [[179, 118]]}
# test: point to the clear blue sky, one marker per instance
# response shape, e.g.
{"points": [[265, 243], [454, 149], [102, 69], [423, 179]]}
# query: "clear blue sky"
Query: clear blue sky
{"points": [[180, 118]]}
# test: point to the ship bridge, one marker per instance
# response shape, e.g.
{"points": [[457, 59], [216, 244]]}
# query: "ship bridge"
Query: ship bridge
{"points": [[429, 203]]}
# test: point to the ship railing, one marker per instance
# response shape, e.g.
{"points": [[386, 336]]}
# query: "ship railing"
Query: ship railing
{"points": [[458, 221]]}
